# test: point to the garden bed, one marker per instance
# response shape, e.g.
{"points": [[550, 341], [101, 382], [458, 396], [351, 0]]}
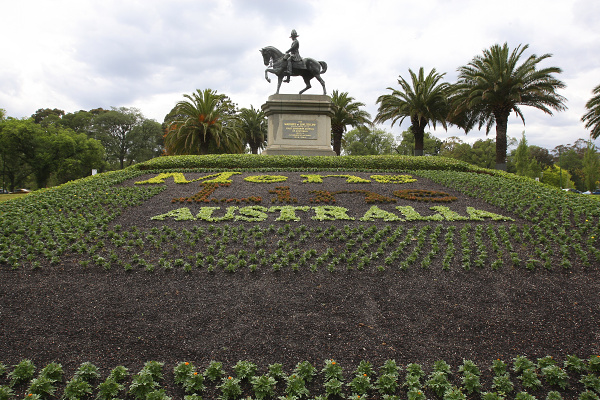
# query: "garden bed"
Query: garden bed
{"points": [[505, 268]]}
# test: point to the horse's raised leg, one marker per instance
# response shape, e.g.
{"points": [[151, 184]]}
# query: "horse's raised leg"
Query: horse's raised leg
{"points": [[307, 81], [266, 76]]}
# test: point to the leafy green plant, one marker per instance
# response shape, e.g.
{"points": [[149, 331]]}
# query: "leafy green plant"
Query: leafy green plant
{"points": [[332, 370], [244, 369], [591, 381], [119, 373], [23, 372], [109, 389], [524, 396], [42, 386], [155, 369], [415, 369], [214, 371], [52, 371], [87, 372], [334, 387], [575, 364], [142, 383], [263, 386], [555, 376], [387, 383], [192, 397], [545, 362], [438, 383], [522, 363], [6, 392], [502, 384], [588, 395], [276, 371], [182, 371], [158, 394], [454, 393], [194, 383], [412, 382], [360, 384], [442, 366], [32, 396], [364, 367], [594, 363], [390, 367], [416, 394], [471, 382], [499, 367], [469, 366], [305, 370], [529, 379], [77, 389], [295, 386], [553, 395], [230, 388], [492, 396]]}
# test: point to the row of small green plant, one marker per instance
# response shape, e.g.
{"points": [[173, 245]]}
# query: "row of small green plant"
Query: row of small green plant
{"points": [[569, 223], [235, 248], [545, 376]]}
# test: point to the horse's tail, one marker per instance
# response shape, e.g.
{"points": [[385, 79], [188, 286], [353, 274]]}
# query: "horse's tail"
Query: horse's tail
{"points": [[323, 66]]}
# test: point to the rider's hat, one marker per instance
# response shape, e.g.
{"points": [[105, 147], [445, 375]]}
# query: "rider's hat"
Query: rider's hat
{"points": [[294, 34]]}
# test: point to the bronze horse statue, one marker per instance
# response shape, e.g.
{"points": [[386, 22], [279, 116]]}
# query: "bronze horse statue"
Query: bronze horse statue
{"points": [[309, 68]]}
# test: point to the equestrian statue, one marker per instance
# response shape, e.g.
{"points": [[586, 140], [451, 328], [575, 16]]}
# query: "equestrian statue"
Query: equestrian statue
{"points": [[290, 63]]}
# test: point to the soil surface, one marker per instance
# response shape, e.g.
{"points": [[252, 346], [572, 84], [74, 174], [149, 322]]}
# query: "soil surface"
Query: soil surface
{"points": [[71, 315]]}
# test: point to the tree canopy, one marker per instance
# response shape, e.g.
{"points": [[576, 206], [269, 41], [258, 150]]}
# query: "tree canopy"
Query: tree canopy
{"points": [[127, 135], [254, 125], [205, 123], [592, 116], [346, 112], [495, 84], [32, 149], [363, 141], [424, 100]]}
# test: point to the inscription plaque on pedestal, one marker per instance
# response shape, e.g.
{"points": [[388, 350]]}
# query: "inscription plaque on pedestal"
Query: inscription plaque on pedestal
{"points": [[299, 125], [299, 129]]}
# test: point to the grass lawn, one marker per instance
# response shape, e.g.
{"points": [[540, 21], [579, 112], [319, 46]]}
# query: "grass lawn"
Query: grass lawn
{"points": [[4, 197]]}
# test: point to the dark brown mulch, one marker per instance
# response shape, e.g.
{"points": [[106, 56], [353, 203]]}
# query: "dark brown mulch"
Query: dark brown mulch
{"points": [[71, 315]]}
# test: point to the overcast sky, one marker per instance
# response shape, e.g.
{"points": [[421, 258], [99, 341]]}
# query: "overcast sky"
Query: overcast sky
{"points": [[84, 54]]}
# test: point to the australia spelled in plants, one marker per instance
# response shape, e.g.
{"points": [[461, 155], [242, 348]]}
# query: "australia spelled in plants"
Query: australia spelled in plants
{"points": [[207, 204]]}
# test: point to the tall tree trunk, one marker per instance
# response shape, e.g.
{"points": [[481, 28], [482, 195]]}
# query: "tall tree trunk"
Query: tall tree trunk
{"points": [[336, 134], [418, 129], [501, 143]]}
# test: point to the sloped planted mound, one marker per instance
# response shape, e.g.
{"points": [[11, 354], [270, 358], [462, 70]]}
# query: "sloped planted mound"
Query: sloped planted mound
{"points": [[174, 262]]}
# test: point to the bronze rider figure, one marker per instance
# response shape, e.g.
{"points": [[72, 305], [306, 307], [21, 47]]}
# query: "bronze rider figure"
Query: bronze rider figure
{"points": [[292, 54]]}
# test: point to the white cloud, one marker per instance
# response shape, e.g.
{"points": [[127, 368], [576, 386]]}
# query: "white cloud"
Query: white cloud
{"points": [[75, 55]]}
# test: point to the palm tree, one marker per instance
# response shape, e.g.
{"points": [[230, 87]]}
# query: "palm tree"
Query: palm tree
{"points": [[345, 112], [254, 126], [592, 117], [424, 100], [493, 85], [205, 123]]}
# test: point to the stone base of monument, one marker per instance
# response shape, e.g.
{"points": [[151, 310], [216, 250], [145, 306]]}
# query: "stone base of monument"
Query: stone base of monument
{"points": [[299, 125]]}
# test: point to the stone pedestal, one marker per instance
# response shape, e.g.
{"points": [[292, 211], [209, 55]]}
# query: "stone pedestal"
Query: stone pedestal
{"points": [[299, 125]]}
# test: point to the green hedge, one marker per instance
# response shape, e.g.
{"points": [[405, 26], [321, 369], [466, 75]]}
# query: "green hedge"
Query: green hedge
{"points": [[251, 161]]}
